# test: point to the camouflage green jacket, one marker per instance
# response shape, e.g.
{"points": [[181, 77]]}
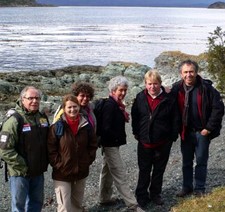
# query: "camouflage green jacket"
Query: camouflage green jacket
{"points": [[26, 152]]}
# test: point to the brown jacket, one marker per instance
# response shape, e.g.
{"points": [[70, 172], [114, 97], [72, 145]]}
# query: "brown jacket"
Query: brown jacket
{"points": [[69, 155]]}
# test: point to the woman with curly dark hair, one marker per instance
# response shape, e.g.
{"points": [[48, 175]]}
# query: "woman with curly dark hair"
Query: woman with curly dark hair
{"points": [[84, 92]]}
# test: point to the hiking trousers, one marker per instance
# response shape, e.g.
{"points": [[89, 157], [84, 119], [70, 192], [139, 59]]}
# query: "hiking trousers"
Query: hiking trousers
{"points": [[69, 195], [113, 171]]}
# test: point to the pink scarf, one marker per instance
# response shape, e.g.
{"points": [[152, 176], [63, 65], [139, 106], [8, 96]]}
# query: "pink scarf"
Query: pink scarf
{"points": [[90, 118], [122, 107]]}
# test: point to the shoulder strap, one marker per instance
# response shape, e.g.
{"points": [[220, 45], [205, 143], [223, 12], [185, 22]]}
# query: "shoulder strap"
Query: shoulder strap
{"points": [[59, 129], [57, 114], [20, 121]]}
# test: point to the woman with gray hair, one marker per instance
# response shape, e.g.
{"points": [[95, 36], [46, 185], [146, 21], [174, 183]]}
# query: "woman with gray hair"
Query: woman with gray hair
{"points": [[113, 135]]}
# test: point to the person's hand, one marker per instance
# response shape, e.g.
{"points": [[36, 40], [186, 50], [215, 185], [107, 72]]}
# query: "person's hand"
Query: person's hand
{"points": [[205, 132], [167, 89]]}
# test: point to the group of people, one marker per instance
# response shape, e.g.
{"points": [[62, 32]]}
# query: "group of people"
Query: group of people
{"points": [[192, 108]]}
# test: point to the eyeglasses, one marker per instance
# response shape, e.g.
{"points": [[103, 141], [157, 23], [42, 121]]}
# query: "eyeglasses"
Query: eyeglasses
{"points": [[32, 98], [84, 95]]}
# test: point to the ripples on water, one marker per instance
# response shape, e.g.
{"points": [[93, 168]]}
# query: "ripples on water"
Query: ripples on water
{"points": [[47, 38]]}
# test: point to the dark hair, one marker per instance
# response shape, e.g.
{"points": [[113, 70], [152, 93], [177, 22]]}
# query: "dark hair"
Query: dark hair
{"points": [[69, 97], [188, 62], [83, 87]]}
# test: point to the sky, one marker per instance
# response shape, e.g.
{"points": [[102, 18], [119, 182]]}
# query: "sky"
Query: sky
{"points": [[197, 3]]}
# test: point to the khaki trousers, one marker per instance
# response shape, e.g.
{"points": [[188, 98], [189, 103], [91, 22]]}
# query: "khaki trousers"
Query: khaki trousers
{"points": [[113, 170], [69, 195]]}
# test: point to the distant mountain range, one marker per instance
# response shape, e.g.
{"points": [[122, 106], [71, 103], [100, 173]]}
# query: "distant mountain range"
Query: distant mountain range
{"points": [[142, 3]]}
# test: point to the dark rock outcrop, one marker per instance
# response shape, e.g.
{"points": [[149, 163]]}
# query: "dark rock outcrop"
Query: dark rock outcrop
{"points": [[56, 83], [217, 5]]}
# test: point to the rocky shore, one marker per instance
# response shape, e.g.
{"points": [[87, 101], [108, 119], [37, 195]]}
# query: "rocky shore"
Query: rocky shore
{"points": [[55, 83]]}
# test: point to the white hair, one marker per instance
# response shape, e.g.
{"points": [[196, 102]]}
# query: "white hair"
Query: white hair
{"points": [[24, 91], [117, 81]]}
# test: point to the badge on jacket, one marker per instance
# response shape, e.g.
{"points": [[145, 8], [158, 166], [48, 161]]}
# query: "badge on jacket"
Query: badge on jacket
{"points": [[26, 128], [43, 122]]}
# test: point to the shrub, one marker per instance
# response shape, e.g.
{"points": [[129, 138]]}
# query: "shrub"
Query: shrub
{"points": [[216, 56]]}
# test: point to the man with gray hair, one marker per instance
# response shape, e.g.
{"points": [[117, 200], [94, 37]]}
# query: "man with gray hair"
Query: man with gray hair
{"points": [[23, 146], [201, 110]]}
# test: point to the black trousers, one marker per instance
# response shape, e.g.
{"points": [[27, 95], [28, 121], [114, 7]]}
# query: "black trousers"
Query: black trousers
{"points": [[152, 164]]}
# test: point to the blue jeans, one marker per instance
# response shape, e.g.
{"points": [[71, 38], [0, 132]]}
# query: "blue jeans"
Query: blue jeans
{"points": [[27, 193], [195, 145]]}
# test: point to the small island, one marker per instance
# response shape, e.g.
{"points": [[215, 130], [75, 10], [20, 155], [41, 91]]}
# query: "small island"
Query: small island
{"points": [[217, 5], [20, 3]]}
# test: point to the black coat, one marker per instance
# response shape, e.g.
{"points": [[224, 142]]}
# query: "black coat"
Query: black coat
{"points": [[212, 108], [160, 125], [113, 125]]}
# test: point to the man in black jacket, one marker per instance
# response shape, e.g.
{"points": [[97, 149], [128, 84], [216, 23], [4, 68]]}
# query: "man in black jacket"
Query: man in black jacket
{"points": [[201, 110], [155, 125]]}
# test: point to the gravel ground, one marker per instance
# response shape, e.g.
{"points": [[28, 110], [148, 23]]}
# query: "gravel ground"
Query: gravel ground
{"points": [[172, 177]]}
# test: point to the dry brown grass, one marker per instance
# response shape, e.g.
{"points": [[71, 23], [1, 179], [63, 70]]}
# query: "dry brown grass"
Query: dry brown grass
{"points": [[184, 56], [214, 201]]}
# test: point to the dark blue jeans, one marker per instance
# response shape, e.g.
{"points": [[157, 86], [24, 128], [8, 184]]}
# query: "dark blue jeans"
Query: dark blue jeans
{"points": [[195, 145], [27, 193]]}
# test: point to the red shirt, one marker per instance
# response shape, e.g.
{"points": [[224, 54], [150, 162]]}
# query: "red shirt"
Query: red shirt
{"points": [[153, 102], [73, 123]]}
